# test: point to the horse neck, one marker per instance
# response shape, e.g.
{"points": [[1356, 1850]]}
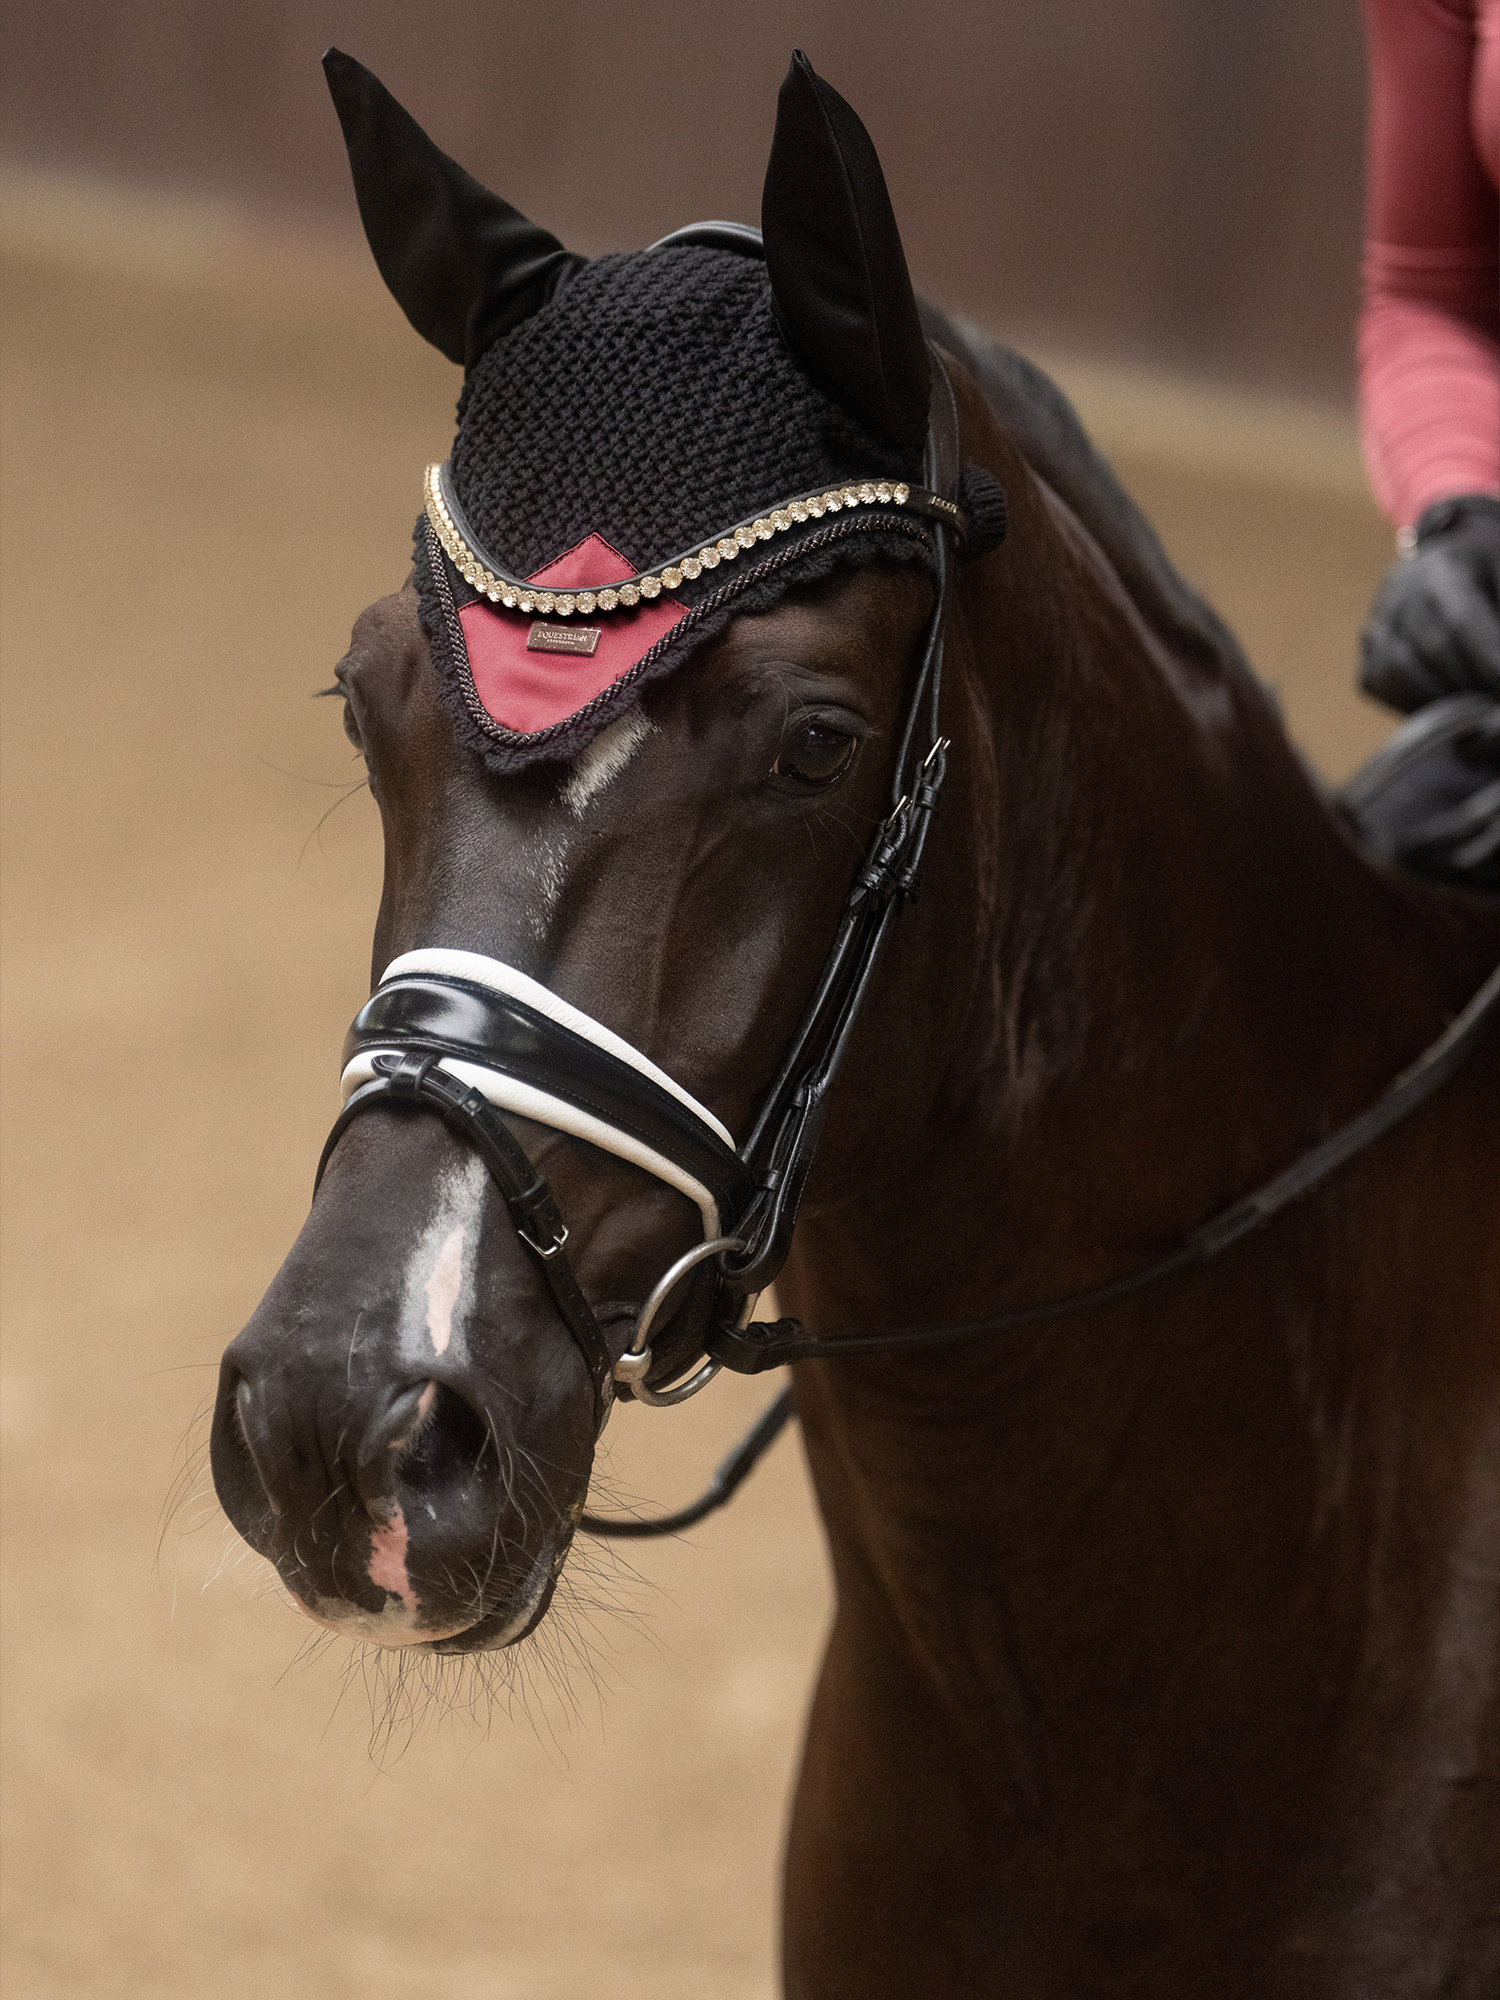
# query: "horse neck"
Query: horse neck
{"points": [[1146, 972]]}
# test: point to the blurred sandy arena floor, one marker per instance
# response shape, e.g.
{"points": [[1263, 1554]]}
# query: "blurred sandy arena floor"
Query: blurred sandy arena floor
{"points": [[213, 443]]}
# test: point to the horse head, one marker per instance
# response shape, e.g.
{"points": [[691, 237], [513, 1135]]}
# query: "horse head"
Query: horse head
{"points": [[641, 811]]}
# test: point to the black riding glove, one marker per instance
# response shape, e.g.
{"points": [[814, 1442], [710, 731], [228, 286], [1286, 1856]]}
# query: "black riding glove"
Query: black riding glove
{"points": [[1434, 628]]}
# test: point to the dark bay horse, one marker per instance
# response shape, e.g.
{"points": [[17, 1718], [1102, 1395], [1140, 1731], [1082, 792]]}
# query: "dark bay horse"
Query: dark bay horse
{"points": [[1167, 1636]]}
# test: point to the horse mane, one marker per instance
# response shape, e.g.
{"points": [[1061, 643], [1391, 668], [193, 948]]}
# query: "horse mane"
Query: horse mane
{"points": [[1045, 426]]}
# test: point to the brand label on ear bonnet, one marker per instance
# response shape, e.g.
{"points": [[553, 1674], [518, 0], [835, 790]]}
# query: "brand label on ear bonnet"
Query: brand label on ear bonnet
{"points": [[526, 688]]}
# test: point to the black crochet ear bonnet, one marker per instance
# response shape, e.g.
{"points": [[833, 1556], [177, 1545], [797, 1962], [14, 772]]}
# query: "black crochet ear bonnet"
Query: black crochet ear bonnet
{"points": [[648, 444]]}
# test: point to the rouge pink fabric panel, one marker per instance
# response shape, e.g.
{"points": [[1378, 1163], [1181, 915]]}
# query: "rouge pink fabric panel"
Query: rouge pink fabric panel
{"points": [[526, 691], [1429, 333]]}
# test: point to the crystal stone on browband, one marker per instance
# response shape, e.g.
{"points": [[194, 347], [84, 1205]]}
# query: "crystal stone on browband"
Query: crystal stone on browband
{"points": [[485, 575]]}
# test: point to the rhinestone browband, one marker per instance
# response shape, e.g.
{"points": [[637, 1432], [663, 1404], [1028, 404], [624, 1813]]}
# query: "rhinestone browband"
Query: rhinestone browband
{"points": [[479, 570]]}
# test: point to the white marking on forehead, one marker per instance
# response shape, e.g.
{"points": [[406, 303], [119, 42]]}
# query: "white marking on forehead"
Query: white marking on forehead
{"points": [[605, 758], [548, 873], [438, 1293], [608, 754]]}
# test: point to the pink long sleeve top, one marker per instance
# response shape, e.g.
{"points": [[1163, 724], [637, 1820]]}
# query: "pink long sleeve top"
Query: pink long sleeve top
{"points": [[1429, 328]]}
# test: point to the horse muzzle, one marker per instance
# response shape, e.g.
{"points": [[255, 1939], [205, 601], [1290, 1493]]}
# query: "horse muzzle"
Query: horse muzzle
{"points": [[390, 1509]]}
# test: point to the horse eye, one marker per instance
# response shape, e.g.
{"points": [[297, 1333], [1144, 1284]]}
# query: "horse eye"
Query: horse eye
{"points": [[351, 728], [815, 754]]}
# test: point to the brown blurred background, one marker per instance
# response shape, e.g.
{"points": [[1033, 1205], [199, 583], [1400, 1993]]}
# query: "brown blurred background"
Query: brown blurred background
{"points": [[214, 428], [1167, 180]]}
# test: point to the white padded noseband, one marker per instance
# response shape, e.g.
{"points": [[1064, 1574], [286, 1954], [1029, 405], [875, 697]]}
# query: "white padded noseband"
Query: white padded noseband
{"points": [[508, 1093]]}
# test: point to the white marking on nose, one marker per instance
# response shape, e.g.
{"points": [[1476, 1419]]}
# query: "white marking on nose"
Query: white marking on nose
{"points": [[443, 1288], [395, 1624], [387, 1569], [438, 1292], [605, 758]]}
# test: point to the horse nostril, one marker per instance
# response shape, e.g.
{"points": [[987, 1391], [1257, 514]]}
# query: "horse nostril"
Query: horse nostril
{"points": [[243, 1456], [426, 1443], [249, 1429], [394, 1427], [388, 1442]]}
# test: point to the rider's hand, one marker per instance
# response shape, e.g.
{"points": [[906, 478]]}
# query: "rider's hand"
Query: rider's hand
{"points": [[1434, 628]]}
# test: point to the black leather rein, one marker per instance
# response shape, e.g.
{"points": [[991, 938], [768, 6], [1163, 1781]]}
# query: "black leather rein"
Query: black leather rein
{"points": [[774, 1343]]}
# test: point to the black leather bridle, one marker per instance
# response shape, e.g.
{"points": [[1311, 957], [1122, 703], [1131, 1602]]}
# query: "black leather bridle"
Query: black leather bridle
{"points": [[416, 1022], [413, 1022]]}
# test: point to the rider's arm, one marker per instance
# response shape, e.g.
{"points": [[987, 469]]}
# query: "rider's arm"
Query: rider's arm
{"points": [[1429, 345], [1429, 333]]}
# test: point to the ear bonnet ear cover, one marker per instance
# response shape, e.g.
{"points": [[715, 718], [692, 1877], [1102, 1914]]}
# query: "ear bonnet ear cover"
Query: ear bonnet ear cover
{"points": [[841, 290], [463, 265], [639, 406]]}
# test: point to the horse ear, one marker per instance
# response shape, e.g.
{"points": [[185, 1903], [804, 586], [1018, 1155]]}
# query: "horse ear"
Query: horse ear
{"points": [[839, 282], [464, 266]]}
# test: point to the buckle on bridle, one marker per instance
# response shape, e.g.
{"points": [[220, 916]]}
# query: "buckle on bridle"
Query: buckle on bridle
{"points": [[552, 1248], [877, 877], [941, 745], [892, 868]]}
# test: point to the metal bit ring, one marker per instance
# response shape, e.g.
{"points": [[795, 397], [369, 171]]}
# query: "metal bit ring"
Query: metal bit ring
{"points": [[635, 1363]]}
